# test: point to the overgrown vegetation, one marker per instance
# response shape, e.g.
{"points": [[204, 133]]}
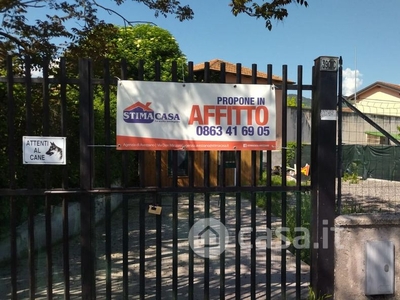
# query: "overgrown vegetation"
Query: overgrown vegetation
{"points": [[313, 296], [351, 174], [291, 153], [292, 101], [293, 200], [352, 207]]}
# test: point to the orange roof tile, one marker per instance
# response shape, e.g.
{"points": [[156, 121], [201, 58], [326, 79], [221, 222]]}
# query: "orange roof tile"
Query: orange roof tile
{"points": [[215, 64]]}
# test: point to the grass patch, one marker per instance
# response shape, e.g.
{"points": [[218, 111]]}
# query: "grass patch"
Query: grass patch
{"points": [[296, 202]]}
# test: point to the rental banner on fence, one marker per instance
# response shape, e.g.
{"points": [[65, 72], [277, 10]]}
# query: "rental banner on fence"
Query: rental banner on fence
{"points": [[195, 116]]}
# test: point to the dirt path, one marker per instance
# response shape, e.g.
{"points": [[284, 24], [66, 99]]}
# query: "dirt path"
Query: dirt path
{"points": [[166, 259]]}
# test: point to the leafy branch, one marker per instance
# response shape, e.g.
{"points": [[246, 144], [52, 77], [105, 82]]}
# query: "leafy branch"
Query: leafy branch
{"points": [[41, 38]]}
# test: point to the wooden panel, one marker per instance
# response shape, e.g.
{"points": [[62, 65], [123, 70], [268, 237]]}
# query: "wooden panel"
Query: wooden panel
{"points": [[150, 167]]}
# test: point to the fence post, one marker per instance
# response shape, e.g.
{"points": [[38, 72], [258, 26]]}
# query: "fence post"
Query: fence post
{"points": [[323, 173], [86, 177]]}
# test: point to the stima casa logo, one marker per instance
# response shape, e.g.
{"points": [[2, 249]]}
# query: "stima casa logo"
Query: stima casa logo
{"points": [[142, 113]]}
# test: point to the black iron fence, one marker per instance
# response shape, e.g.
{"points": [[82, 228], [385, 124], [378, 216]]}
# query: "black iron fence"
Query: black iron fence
{"points": [[84, 229]]}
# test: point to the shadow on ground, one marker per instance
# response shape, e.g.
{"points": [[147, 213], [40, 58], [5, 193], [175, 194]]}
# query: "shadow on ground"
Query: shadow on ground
{"points": [[159, 262]]}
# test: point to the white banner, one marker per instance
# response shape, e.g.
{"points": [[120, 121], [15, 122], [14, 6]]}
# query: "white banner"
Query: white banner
{"points": [[195, 116]]}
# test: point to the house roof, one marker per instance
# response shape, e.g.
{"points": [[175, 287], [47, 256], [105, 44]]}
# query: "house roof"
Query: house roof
{"points": [[215, 64], [144, 107], [390, 86]]}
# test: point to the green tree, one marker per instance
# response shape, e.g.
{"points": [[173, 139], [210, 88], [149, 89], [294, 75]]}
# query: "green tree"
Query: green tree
{"points": [[105, 42], [292, 101], [143, 42], [36, 37]]}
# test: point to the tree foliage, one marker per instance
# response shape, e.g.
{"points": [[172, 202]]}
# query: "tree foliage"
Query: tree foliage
{"points": [[69, 21], [270, 10], [143, 42]]}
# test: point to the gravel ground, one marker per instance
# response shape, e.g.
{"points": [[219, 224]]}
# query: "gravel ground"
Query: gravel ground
{"points": [[166, 259], [370, 196], [364, 196]]}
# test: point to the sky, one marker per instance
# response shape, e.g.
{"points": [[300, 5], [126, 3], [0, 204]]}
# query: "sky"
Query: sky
{"points": [[365, 33]]}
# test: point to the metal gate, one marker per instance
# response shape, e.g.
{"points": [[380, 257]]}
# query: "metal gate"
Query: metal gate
{"points": [[118, 225]]}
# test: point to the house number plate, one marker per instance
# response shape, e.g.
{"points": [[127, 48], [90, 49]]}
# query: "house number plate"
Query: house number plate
{"points": [[329, 64]]}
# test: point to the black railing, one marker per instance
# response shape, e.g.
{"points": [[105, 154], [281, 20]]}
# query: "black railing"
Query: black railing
{"points": [[133, 253]]}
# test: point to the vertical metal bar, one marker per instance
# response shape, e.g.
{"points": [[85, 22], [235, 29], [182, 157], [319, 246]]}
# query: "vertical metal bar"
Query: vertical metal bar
{"points": [[10, 122], [107, 176], [87, 269], [268, 205], [222, 207], [223, 240], [65, 216], [31, 251], [142, 244], [206, 155], [222, 74], [238, 207], [174, 72], [29, 182], [66, 271], [158, 201], [191, 169], [191, 222], [13, 248], [64, 112], [299, 112], [142, 210], [11, 175], [298, 173], [340, 140], [125, 247], [238, 216], [49, 248], [207, 75], [253, 225], [253, 209], [206, 216], [125, 183], [314, 182], [107, 123], [28, 113], [46, 125], [46, 99], [86, 157], [174, 225], [324, 106], [284, 183]]}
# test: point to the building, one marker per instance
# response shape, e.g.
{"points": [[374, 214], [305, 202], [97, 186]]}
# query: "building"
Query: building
{"points": [[216, 157], [380, 102]]}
